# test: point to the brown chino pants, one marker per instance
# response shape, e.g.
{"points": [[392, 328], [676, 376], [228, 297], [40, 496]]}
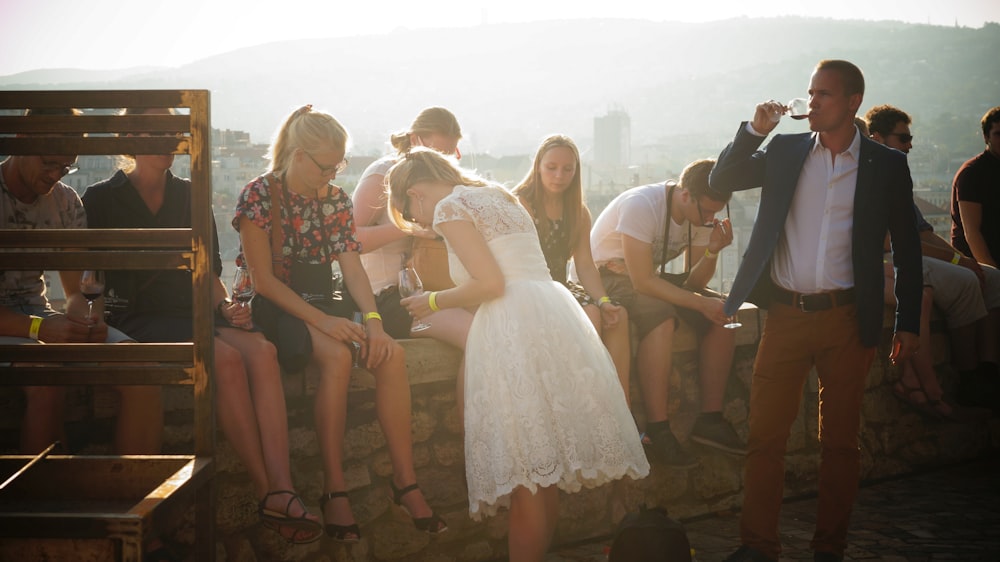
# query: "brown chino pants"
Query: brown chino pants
{"points": [[794, 341]]}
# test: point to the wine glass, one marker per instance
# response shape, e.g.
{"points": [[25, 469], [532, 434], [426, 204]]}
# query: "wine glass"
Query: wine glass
{"points": [[356, 352], [91, 287], [243, 289], [797, 108], [733, 322], [409, 285]]}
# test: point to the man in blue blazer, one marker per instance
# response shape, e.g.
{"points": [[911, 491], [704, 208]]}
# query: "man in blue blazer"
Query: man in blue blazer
{"points": [[815, 261]]}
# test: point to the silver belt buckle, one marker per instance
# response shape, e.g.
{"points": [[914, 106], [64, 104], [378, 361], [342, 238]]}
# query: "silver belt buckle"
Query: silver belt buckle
{"points": [[802, 303]]}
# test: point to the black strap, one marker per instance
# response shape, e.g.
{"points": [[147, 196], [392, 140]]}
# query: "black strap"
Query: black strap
{"points": [[671, 185]]}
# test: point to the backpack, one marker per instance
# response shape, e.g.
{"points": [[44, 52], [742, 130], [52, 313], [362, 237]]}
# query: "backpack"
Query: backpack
{"points": [[649, 535]]}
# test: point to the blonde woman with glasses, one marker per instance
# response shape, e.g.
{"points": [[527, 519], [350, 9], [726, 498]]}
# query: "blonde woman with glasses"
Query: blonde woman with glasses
{"points": [[294, 224]]}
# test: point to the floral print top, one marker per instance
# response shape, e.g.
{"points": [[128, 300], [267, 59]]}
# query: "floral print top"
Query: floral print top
{"points": [[316, 230]]}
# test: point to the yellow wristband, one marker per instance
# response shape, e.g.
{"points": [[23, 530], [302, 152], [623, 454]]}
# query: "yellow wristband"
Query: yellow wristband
{"points": [[36, 325], [710, 255], [432, 301], [372, 315], [603, 300], [956, 258]]}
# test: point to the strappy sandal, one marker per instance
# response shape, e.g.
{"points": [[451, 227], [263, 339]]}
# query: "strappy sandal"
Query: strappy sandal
{"points": [[911, 396], [277, 520], [347, 534], [432, 524]]}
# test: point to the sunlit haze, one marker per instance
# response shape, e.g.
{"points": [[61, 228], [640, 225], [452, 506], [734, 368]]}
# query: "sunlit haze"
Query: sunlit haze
{"points": [[112, 34]]}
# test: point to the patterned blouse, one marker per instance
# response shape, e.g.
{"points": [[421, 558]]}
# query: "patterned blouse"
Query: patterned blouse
{"points": [[316, 230], [557, 250]]}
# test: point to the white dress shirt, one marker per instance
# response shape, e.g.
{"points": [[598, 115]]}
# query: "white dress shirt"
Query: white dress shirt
{"points": [[814, 253]]}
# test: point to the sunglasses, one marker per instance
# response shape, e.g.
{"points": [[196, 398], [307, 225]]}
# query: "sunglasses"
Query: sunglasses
{"points": [[328, 170], [697, 201], [903, 137], [406, 210]]}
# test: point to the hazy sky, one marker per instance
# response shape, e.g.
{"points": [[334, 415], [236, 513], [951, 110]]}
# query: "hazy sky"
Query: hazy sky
{"points": [[110, 34]]}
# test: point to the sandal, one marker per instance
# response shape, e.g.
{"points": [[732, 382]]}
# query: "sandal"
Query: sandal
{"points": [[277, 520], [433, 524], [917, 398], [347, 534]]}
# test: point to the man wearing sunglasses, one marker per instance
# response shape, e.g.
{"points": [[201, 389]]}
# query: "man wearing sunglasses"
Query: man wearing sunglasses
{"points": [[967, 292], [33, 197], [640, 231]]}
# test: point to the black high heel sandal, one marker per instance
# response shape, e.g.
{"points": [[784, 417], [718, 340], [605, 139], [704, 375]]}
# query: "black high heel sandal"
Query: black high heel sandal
{"points": [[432, 524], [347, 534]]}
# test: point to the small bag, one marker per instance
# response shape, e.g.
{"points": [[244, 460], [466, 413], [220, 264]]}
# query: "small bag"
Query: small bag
{"points": [[429, 258], [649, 535], [289, 333]]}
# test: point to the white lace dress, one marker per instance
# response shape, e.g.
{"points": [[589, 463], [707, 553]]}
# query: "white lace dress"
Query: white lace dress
{"points": [[543, 404]]}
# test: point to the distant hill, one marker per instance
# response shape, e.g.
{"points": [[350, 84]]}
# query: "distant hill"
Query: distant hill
{"points": [[685, 86]]}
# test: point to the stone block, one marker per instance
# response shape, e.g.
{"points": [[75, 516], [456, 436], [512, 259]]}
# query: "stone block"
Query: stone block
{"points": [[719, 475]]}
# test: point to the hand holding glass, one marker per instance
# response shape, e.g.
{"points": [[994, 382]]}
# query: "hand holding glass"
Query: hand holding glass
{"points": [[243, 289], [91, 287], [410, 285]]}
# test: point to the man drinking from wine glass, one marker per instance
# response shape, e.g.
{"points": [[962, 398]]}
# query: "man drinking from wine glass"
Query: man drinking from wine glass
{"points": [[815, 260], [34, 197]]}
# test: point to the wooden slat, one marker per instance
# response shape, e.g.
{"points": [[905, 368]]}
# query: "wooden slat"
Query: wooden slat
{"points": [[99, 352], [63, 124], [79, 261], [104, 374], [97, 99], [30, 146], [111, 238]]}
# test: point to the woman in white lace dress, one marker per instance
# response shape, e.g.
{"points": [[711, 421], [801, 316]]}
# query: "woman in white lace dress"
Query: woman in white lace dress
{"points": [[543, 407]]}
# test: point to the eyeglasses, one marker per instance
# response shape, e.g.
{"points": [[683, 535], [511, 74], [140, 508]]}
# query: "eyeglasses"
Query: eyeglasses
{"points": [[701, 213], [903, 137], [63, 168], [329, 170]]}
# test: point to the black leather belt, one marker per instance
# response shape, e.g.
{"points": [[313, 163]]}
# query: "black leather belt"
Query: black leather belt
{"points": [[816, 301]]}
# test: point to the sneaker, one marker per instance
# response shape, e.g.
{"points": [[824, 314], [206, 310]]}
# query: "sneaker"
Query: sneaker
{"points": [[664, 448], [715, 432], [748, 554]]}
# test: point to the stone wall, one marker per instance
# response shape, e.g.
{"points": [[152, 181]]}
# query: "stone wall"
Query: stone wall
{"points": [[895, 440]]}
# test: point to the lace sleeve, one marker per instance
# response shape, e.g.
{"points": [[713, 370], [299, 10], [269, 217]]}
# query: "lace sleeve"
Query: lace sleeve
{"points": [[492, 210]]}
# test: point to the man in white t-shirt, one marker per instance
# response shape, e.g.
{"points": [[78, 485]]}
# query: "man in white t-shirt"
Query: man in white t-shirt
{"points": [[631, 242]]}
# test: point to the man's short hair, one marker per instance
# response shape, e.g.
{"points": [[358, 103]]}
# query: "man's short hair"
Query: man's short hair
{"points": [[882, 119], [694, 178], [992, 116], [850, 74]]}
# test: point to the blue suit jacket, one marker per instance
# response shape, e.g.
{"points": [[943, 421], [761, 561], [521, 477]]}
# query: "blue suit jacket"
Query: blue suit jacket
{"points": [[883, 201]]}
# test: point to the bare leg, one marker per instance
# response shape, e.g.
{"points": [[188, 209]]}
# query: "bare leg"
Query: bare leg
{"points": [[655, 358], [532, 523], [715, 362], [452, 327], [332, 359], [617, 342], [392, 403], [43, 418], [139, 428]]}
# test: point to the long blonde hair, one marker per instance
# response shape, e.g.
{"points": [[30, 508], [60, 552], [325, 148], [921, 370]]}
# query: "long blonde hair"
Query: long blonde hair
{"points": [[531, 192], [430, 120], [424, 164], [305, 129]]}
